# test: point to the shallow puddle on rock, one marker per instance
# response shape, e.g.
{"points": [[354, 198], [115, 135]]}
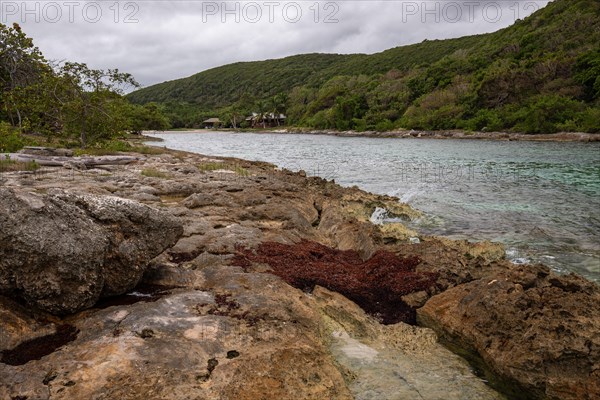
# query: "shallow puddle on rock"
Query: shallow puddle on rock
{"points": [[173, 199], [355, 349], [387, 373]]}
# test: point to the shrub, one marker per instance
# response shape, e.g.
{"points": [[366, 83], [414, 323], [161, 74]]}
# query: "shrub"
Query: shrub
{"points": [[484, 120], [544, 114], [10, 140], [586, 121], [154, 173], [6, 164], [385, 125], [445, 117]]}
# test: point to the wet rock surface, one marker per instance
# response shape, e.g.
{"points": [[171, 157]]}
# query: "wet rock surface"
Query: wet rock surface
{"points": [[222, 311], [396, 361]]}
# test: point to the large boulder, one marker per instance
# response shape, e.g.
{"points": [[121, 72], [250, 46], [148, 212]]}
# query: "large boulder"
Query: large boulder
{"points": [[60, 252], [536, 332]]}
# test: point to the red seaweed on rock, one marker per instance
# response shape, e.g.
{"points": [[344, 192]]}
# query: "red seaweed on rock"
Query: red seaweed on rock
{"points": [[376, 284]]}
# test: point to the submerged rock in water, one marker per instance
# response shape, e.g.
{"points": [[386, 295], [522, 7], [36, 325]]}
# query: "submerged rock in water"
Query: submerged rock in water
{"points": [[62, 251], [395, 361]]}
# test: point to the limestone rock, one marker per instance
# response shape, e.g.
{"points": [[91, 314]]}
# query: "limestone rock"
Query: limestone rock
{"points": [[227, 334], [537, 332], [242, 336], [18, 325], [60, 252]]}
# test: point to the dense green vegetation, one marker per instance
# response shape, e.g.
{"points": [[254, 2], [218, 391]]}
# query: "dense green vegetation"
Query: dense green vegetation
{"points": [[67, 103], [539, 75]]}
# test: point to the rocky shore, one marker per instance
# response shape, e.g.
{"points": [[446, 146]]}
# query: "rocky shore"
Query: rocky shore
{"points": [[455, 134], [182, 276]]}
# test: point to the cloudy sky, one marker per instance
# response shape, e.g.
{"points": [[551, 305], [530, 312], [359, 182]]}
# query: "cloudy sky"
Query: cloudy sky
{"points": [[164, 40]]}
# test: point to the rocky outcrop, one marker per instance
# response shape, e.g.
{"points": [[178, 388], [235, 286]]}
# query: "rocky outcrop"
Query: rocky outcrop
{"points": [[538, 334], [201, 327], [61, 252], [224, 334]]}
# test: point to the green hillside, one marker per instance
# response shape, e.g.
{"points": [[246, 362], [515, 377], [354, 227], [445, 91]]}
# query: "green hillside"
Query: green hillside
{"points": [[224, 85], [539, 75]]}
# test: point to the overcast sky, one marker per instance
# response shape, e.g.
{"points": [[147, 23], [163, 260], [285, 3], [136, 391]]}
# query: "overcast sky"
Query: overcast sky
{"points": [[163, 40]]}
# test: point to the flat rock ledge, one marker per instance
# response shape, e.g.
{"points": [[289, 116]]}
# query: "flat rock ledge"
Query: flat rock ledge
{"points": [[181, 276]]}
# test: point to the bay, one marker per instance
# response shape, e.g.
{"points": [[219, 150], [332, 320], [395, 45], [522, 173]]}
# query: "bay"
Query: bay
{"points": [[540, 199]]}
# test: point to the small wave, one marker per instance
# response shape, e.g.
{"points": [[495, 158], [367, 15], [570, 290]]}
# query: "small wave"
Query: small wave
{"points": [[516, 256], [408, 196], [382, 216], [139, 294], [378, 216]]}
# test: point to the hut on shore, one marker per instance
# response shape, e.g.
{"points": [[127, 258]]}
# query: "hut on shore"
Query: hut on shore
{"points": [[213, 123], [268, 120]]}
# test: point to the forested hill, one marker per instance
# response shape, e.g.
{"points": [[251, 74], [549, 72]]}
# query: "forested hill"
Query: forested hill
{"points": [[542, 74], [222, 86]]}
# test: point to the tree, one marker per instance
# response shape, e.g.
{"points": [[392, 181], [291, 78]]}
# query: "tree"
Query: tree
{"points": [[236, 117], [278, 104], [147, 117], [262, 108], [40, 104], [21, 64], [68, 99], [587, 70], [94, 108], [242, 107], [298, 100]]}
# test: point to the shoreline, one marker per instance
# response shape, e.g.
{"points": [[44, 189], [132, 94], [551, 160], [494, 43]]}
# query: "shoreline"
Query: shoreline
{"points": [[414, 134], [555, 253], [248, 287], [458, 134]]}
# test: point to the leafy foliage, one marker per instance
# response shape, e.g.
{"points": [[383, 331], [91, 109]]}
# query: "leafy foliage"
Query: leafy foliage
{"points": [[21, 64], [11, 140], [67, 101], [587, 74]]}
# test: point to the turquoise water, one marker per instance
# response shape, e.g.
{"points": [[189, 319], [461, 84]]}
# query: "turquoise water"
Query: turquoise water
{"points": [[542, 200]]}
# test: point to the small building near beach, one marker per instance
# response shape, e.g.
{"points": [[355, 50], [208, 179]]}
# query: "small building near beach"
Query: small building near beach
{"points": [[266, 120], [211, 123]]}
